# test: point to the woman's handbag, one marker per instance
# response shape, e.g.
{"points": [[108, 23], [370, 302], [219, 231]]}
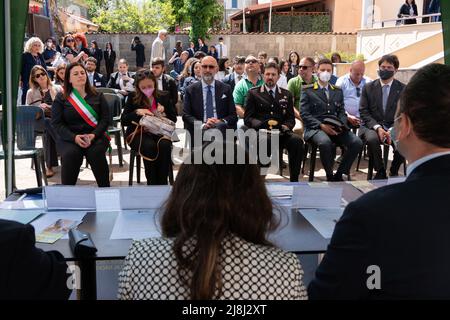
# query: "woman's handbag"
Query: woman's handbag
{"points": [[156, 125]]}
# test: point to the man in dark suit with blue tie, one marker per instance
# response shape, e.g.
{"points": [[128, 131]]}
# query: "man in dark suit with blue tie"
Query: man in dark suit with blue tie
{"points": [[238, 72], [209, 103], [393, 242], [377, 108], [95, 79]]}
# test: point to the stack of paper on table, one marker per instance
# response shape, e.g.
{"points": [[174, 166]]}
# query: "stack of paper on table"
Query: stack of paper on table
{"points": [[65, 219], [136, 224]]}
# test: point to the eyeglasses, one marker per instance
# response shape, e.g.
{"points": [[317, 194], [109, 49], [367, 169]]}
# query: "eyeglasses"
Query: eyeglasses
{"points": [[143, 74], [304, 67], [251, 61], [70, 40], [206, 66], [38, 75], [358, 92]]}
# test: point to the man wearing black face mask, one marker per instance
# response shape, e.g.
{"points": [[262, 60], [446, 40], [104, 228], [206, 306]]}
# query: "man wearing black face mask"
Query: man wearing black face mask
{"points": [[377, 109]]}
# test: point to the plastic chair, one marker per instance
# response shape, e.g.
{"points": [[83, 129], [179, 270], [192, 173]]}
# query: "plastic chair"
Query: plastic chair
{"points": [[106, 90], [25, 147], [114, 111]]}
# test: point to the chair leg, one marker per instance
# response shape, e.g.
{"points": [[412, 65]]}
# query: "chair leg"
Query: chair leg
{"points": [[37, 170], [171, 173], [312, 163], [44, 176], [305, 157], [385, 155], [119, 148], [124, 139], [138, 168], [370, 169], [131, 168]]}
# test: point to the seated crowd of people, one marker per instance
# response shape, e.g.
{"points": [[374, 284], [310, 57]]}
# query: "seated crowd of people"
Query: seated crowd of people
{"points": [[219, 249]]}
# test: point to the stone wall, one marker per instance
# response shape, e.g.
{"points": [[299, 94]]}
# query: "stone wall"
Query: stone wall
{"points": [[275, 44]]}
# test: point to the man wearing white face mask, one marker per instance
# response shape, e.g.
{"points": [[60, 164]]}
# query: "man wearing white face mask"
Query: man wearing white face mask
{"points": [[323, 113]]}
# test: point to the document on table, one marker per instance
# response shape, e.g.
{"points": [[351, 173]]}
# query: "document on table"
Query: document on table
{"points": [[50, 219], [305, 196], [363, 186], [151, 197], [136, 225], [107, 199], [70, 197], [395, 180], [279, 190], [22, 216], [23, 204], [323, 220]]}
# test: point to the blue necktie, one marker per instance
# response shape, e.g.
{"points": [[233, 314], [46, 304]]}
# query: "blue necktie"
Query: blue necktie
{"points": [[385, 96], [209, 104]]}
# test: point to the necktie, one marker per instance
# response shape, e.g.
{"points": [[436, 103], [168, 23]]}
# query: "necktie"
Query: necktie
{"points": [[327, 94], [239, 78], [91, 79], [385, 96], [272, 93], [209, 104]]}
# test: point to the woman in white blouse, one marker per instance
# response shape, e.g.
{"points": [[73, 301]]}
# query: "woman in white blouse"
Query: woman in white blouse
{"points": [[214, 243]]}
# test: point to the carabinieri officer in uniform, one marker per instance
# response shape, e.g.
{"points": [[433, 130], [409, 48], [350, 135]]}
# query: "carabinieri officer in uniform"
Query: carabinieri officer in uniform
{"points": [[322, 101], [80, 116], [271, 107]]}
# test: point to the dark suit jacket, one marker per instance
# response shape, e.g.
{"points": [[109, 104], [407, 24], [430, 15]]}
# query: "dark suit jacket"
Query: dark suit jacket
{"points": [[402, 229], [27, 272], [315, 107], [260, 107], [170, 88], [129, 111], [140, 53], [99, 80], [371, 104], [109, 60], [193, 104]]}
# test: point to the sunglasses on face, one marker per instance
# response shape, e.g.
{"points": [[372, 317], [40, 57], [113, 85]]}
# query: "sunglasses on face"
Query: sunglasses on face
{"points": [[69, 40], [206, 66], [251, 61], [38, 75], [304, 67]]}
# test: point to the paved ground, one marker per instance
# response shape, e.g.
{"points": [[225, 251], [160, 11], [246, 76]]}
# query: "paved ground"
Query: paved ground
{"points": [[25, 176]]}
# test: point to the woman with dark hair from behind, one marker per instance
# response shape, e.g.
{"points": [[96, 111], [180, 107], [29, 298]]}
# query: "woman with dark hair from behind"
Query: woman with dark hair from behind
{"points": [[214, 243]]}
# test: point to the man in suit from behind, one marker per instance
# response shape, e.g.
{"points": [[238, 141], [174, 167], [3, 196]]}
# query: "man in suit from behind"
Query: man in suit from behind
{"points": [[166, 84], [27, 272], [392, 243], [209, 102], [238, 72], [377, 109], [95, 79]]}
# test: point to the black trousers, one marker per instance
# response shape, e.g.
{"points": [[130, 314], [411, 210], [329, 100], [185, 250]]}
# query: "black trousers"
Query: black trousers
{"points": [[374, 147], [72, 158], [293, 143], [156, 171], [50, 138], [347, 139]]}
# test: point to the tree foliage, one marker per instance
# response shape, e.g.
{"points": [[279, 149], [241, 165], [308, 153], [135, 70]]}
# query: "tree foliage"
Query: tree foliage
{"points": [[129, 16]]}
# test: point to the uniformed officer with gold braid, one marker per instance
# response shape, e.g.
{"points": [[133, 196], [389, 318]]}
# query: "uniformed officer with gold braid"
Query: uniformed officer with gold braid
{"points": [[323, 113], [271, 107]]}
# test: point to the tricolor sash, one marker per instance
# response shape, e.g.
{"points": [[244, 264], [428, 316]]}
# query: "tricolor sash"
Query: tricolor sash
{"points": [[85, 111]]}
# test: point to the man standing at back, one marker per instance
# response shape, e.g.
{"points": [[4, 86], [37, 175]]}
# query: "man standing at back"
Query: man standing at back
{"points": [[221, 49], [158, 50], [392, 243]]}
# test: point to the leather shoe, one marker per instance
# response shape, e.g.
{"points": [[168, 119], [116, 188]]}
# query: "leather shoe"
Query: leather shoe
{"points": [[380, 175]]}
